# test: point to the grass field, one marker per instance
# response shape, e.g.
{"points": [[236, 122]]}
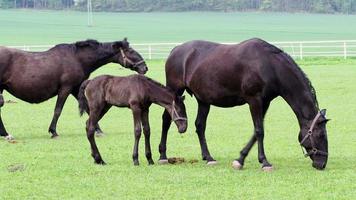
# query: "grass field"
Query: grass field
{"points": [[51, 27], [63, 168], [37, 167]]}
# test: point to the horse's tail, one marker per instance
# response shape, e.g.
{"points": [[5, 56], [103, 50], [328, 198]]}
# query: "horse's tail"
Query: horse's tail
{"points": [[82, 100]]}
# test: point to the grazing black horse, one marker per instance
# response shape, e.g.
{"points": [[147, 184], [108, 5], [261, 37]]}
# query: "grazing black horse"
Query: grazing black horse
{"points": [[35, 77], [252, 72], [136, 92]]}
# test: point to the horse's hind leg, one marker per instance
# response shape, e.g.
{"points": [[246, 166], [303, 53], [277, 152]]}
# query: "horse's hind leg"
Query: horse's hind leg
{"points": [[95, 116], [147, 133], [61, 99], [200, 124], [136, 111], [98, 130], [3, 131]]}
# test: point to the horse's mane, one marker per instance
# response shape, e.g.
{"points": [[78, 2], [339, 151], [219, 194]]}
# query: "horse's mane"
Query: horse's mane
{"points": [[79, 44], [298, 71]]}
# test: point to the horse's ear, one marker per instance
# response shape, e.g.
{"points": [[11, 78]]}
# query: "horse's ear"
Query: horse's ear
{"points": [[121, 44], [323, 112]]}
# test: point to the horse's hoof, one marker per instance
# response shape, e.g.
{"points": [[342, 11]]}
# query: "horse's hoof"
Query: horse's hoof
{"points": [[163, 161], [212, 163], [267, 168], [100, 162], [55, 136], [236, 165], [9, 137]]}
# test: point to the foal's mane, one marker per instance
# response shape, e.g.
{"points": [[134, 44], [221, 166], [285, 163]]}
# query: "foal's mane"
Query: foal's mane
{"points": [[160, 85], [296, 68]]}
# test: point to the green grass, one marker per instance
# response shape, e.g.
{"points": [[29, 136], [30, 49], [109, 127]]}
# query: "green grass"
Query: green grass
{"points": [[20, 27], [64, 169]]}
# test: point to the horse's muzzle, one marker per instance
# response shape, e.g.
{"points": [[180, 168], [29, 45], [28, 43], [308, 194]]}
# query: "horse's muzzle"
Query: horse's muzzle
{"points": [[319, 165]]}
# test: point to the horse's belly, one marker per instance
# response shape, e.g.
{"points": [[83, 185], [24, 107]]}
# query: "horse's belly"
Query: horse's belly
{"points": [[32, 93]]}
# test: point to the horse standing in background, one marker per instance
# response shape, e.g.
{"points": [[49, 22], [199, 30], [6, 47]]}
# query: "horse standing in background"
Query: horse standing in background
{"points": [[35, 77], [253, 72]]}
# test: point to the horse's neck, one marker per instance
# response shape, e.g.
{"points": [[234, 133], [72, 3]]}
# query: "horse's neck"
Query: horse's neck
{"points": [[160, 95], [98, 60], [302, 104]]}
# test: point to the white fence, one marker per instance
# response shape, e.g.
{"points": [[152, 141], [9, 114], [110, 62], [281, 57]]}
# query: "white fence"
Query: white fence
{"points": [[298, 49]]}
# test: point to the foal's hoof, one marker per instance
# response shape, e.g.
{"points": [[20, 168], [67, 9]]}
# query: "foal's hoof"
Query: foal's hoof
{"points": [[163, 161], [236, 165], [9, 137], [267, 168], [212, 163]]}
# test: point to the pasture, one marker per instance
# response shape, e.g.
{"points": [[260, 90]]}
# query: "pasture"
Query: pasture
{"points": [[37, 167], [49, 169]]}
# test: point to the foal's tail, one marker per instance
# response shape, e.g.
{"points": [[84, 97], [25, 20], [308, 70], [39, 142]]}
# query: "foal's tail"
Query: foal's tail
{"points": [[82, 100]]}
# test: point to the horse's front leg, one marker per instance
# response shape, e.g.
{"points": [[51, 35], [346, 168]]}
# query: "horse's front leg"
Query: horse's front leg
{"points": [[200, 124], [147, 133], [62, 97], [256, 109], [166, 123], [238, 163], [3, 131], [136, 111]]}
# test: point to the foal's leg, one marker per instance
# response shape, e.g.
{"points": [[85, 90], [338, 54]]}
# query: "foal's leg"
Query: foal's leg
{"points": [[256, 109], [95, 116], [98, 130], [62, 97], [136, 111], [200, 124], [238, 163], [147, 133]]}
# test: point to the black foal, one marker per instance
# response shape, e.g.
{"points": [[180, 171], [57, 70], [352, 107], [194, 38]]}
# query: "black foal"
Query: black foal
{"points": [[136, 92]]}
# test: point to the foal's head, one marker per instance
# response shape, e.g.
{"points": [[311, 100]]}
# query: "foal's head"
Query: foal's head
{"points": [[314, 140], [128, 57], [178, 114]]}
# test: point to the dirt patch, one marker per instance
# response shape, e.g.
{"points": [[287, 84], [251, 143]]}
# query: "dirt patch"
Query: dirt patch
{"points": [[16, 167], [180, 160]]}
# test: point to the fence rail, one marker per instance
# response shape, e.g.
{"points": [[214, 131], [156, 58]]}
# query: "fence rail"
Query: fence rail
{"points": [[297, 49]]}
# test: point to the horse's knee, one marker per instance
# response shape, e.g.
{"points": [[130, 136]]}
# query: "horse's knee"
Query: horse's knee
{"points": [[138, 132], [259, 133], [199, 126]]}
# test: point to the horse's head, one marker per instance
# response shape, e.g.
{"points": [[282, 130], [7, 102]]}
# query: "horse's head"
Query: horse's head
{"points": [[314, 139], [178, 114], [128, 57]]}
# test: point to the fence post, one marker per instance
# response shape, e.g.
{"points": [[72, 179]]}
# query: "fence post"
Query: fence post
{"points": [[149, 52], [301, 51], [345, 52]]}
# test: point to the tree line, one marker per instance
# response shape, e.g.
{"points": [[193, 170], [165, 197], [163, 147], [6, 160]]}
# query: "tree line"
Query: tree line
{"points": [[314, 6]]}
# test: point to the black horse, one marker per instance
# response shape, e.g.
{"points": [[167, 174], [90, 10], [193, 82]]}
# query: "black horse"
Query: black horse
{"points": [[136, 92], [35, 77], [252, 72]]}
